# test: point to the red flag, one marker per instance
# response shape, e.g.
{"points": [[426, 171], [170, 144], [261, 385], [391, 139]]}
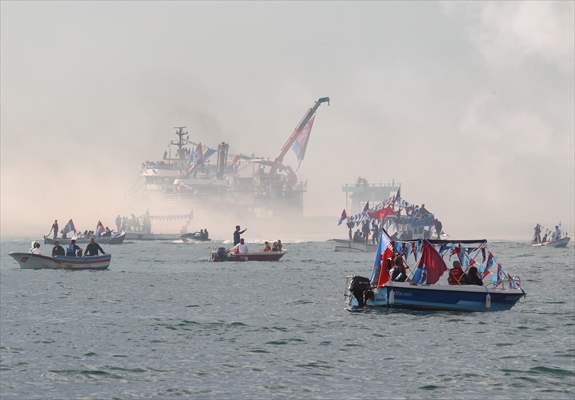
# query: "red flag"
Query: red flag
{"points": [[432, 262], [382, 213]]}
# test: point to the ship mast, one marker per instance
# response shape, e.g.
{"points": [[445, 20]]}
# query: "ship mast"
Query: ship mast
{"points": [[181, 144]]}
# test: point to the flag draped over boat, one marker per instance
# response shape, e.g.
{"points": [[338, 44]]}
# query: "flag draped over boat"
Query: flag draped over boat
{"points": [[100, 230], [301, 138], [69, 227], [342, 217], [379, 275], [431, 266]]}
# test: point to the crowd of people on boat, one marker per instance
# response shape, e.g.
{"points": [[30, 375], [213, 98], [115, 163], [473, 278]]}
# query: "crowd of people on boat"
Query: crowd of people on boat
{"points": [[549, 236], [72, 250], [105, 232], [141, 224]]}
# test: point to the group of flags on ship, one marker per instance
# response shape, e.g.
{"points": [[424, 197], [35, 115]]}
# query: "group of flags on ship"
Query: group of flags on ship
{"points": [[380, 211], [431, 265]]}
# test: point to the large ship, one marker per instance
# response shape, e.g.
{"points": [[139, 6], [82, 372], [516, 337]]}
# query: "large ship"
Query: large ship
{"points": [[216, 177]]}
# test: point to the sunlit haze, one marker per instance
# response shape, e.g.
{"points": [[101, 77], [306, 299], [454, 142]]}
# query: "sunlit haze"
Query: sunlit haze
{"points": [[469, 105]]}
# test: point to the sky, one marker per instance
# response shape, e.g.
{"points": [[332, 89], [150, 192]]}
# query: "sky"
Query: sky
{"points": [[470, 105]]}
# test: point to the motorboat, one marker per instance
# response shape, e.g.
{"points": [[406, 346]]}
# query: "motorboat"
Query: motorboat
{"points": [[221, 254]]}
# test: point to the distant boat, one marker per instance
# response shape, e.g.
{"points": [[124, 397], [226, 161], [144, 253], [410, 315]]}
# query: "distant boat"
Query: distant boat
{"points": [[195, 236], [219, 256], [554, 243], [151, 236], [344, 245], [37, 261], [114, 239]]}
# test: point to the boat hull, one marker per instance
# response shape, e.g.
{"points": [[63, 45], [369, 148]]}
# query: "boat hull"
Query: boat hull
{"points": [[343, 245], [36, 261], [116, 239], [448, 298], [556, 243], [271, 256], [151, 236]]}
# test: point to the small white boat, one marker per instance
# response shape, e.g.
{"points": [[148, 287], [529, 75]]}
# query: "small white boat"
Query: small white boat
{"points": [[37, 261], [554, 243]]}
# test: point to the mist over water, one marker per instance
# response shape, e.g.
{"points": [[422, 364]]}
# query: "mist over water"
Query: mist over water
{"points": [[469, 106]]}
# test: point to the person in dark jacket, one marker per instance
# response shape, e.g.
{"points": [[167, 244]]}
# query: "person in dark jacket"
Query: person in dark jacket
{"points": [[58, 250], [399, 272], [72, 249], [93, 248], [237, 235], [472, 277]]}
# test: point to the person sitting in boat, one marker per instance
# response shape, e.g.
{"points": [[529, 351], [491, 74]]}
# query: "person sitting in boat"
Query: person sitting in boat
{"points": [[93, 248], [72, 249], [57, 250], [35, 249], [205, 235], [267, 247], [545, 237], [472, 277], [399, 272], [557, 233], [279, 245], [108, 232], [79, 253], [237, 233], [455, 274], [242, 247]]}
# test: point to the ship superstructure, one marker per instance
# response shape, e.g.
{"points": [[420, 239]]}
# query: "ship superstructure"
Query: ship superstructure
{"points": [[218, 177]]}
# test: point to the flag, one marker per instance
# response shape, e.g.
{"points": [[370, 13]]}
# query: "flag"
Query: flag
{"points": [[381, 213], [366, 207], [69, 227], [301, 139], [100, 230], [208, 153], [432, 263], [491, 261], [379, 275], [343, 217], [397, 195]]}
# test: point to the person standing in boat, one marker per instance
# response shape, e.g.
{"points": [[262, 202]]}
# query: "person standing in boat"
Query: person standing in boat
{"points": [[54, 229], [93, 248], [72, 249], [118, 224], [350, 229], [57, 250], [365, 231], [237, 235], [267, 247], [537, 234]]}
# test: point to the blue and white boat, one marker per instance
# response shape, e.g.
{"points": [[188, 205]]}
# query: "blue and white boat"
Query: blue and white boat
{"points": [[496, 290]]}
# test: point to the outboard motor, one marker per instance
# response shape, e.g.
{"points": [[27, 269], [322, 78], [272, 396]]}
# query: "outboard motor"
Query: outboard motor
{"points": [[360, 288], [221, 254]]}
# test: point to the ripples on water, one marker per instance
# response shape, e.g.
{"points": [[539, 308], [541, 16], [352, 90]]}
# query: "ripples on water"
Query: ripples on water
{"points": [[164, 323]]}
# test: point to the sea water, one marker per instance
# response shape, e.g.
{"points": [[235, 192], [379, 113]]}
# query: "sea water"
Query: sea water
{"points": [[165, 323]]}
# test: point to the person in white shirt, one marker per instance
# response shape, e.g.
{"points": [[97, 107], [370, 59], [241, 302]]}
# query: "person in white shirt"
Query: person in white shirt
{"points": [[35, 248], [242, 247]]}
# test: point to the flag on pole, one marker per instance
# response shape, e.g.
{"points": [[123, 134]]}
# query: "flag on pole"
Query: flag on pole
{"points": [[100, 230], [379, 274], [366, 207], [69, 227], [342, 217], [299, 145], [431, 266]]}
